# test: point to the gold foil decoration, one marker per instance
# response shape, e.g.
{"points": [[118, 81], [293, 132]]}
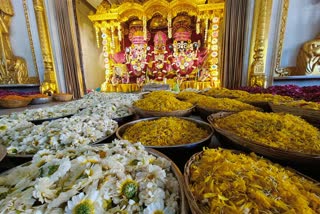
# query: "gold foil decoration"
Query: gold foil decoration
{"points": [[112, 38], [144, 23], [119, 32], [198, 25], [169, 25], [97, 29], [206, 22]]}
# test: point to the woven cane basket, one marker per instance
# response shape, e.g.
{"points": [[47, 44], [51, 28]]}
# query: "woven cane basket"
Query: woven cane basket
{"points": [[310, 115], [267, 151], [195, 204]]}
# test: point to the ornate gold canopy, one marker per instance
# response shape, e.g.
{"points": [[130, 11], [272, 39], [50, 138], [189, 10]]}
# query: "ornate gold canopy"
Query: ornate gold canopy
{"points": [[111, 23]]}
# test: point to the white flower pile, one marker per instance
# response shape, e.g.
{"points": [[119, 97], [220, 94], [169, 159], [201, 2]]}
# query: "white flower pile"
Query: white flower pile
{"points": [[58, 134], [12, 130], [113, 105], [112, 110], [125, 98], [119, 177], [44, 113]]}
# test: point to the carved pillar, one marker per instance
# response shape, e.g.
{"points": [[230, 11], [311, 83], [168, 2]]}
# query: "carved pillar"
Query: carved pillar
{"points": [[259, 43], [49, 84]]}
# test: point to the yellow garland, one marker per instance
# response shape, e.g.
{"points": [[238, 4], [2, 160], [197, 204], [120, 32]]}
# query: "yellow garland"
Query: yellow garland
{"points": [[278, 130], [165, 131], [225, 182]]}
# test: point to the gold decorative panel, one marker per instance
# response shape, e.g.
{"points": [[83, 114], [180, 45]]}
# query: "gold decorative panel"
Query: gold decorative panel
{"points": [[259, 43], [13, 69]]}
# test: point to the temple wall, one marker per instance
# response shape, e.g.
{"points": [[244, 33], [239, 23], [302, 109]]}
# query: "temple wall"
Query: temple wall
{"points": [[91, 55]]}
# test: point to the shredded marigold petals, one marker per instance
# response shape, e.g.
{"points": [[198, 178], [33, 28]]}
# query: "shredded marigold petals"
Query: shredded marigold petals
{"points": [[278, 130], [162, 101], [249, 184], [164, 132]]}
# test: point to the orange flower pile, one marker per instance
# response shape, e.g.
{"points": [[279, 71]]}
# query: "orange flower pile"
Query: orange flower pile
{"points": [[14, 97]]}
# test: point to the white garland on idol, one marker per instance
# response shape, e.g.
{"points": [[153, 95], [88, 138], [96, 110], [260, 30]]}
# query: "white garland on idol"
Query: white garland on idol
{"points": [[119, 177]]}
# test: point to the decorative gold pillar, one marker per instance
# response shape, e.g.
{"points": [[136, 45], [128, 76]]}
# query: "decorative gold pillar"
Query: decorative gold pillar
{"points": [[49, 85], [259, 43]]}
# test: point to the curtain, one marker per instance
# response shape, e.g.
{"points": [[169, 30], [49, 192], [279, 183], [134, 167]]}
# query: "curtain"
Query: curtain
{"points": [[234, 42], [69, 42]]}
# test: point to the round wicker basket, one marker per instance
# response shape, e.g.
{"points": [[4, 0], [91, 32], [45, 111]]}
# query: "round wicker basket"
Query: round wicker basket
{"points": [[62, 97], [185, 151], [183, 204], [147, 113], [14, 103], [193, 205], [267, 151], [310, 115], [195, 209]]}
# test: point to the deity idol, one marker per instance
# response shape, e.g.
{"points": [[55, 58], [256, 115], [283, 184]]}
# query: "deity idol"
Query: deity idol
{"points": [[159, 62], [185, 53], [136, 55]]}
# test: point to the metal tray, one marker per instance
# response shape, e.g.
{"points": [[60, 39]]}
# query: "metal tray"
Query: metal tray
{"points": [[40, 100]]}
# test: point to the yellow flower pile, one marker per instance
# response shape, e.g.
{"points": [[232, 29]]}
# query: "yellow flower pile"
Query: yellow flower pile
{"points": [[301, 104], [162, 101], [224, 92], [224, 182], [166, 131], [159, 93], [277, 130], [224, 104], [265, 98], [186, 95]]}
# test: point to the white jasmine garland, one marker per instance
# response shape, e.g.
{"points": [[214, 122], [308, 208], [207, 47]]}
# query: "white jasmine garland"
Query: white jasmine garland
{"points": [[82, 179]]}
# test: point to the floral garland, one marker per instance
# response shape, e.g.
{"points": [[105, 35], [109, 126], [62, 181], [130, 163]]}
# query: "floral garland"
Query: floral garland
{"points": [[119, 177]]}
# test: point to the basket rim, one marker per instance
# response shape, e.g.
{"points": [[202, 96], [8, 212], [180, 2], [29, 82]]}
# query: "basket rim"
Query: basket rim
{"points": [[175, 169], [186, 175], [3, 152]]}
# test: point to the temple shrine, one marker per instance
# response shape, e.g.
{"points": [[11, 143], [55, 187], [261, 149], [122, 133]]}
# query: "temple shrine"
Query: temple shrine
{"points": [[175, 43]]}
